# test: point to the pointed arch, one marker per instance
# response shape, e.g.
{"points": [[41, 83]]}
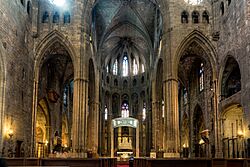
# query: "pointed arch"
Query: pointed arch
{"points": [[223, 69], [233, 126], [43, 103], [42, 134], [42, 50], [204, 43], [48, 41]]}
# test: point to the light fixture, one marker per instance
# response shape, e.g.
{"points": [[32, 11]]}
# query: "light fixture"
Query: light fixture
{"points": [[201, 142], [240, 133], [10, 132], [59, 3]]}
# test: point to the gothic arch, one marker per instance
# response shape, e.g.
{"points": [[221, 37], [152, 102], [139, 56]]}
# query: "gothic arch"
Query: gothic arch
{"points": [[233, 131], [48, 41], [204, 43], [42, 52], [223, 76], [42, 133], [43, 103]]}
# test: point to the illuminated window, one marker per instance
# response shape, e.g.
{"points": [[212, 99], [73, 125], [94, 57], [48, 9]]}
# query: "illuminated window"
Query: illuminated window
{"points": [[125, 111], [135, 67], [106, 113], [144, 111], [107, 69], [125, 65], [142, 68], [65, 96], [193, 2], [201, 77], [115, 67]]}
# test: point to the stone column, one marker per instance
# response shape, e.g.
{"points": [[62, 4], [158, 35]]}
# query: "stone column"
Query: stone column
{"points": [[140, 122], [154, 116], [171, 119], [112, 142], [137, 141], [93, 127], [33, 135], [109, 131], [217, 124], [79, 122]]}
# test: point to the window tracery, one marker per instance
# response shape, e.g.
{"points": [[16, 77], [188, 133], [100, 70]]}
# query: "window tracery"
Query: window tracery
{"points": [[125, 65], [115, 68], [125, 111], [106, 113], [144, 114], [201, 77], [135, 67]]}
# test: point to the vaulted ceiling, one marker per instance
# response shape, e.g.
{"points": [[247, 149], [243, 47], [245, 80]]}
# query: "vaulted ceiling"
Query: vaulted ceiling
{"points": [[134, 24]]}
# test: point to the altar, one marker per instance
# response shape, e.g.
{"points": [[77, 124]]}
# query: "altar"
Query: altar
{"points": [[125, 143]]}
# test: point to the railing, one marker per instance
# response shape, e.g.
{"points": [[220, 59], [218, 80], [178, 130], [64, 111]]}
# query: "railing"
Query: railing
{"points": [[199, 162], [138, 162], [67, 162]]}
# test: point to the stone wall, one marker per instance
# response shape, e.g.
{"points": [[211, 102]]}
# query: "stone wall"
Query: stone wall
{"points": [[17, 41]]}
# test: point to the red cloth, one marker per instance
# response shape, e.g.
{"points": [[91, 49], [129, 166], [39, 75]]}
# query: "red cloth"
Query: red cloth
{"points": [[122, 165]]}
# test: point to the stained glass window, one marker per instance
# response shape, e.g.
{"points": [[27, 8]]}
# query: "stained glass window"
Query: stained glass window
{"points": [[144, 111], [201, 77], [125, 111], [142, 68], [106, 113], [125, 65], [115, 67], [135, 67]]}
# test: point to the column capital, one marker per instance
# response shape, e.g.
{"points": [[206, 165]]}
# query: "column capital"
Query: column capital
{"points": [[170, 79], [81, 79]]}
